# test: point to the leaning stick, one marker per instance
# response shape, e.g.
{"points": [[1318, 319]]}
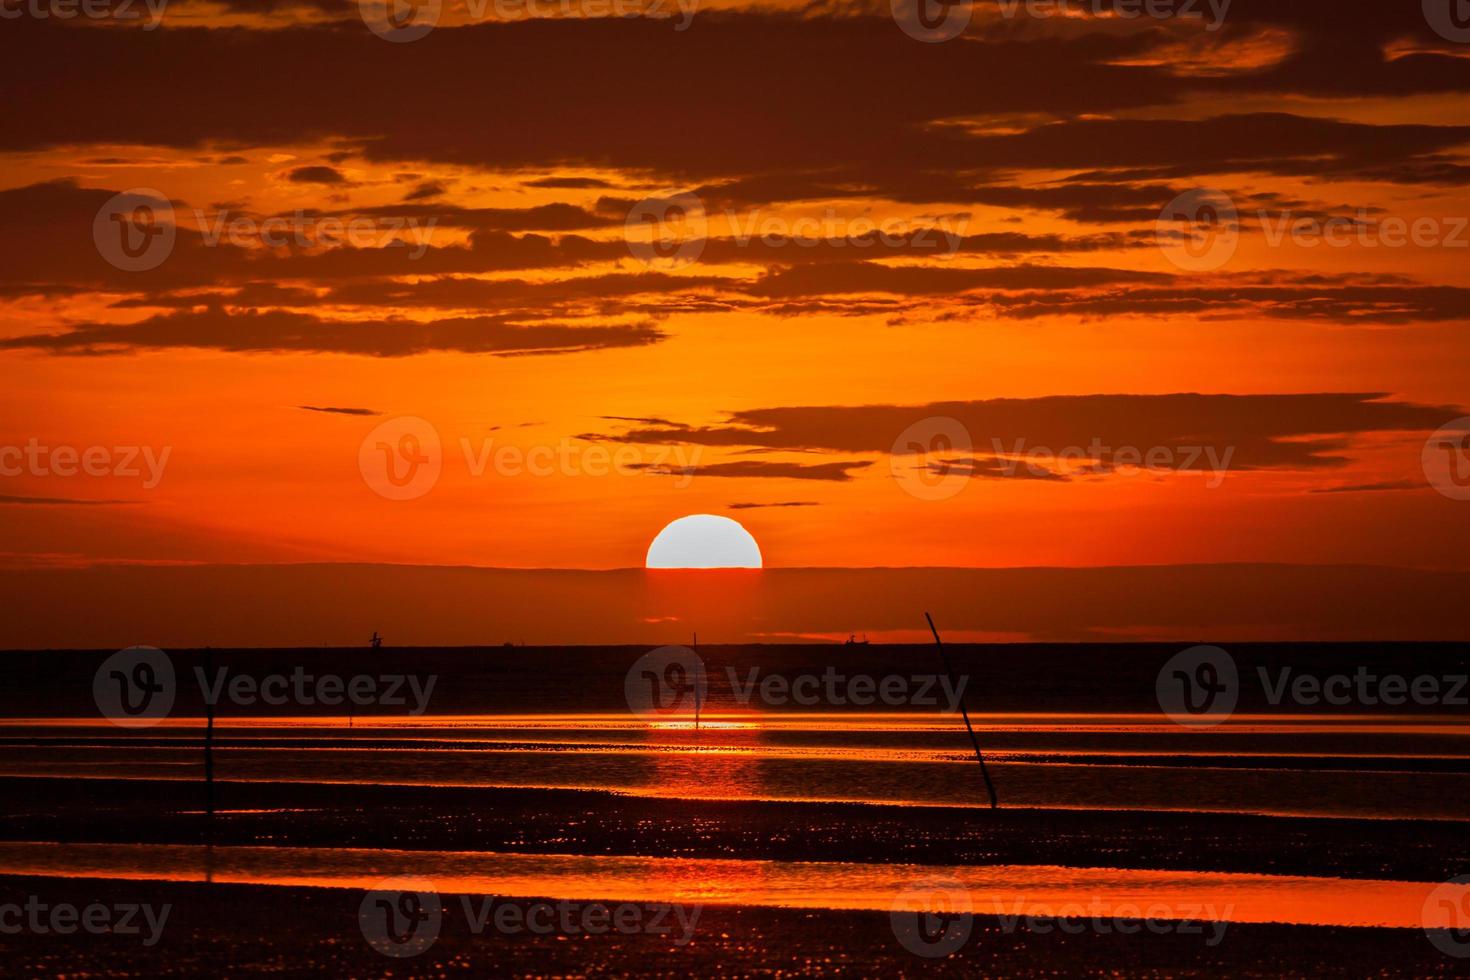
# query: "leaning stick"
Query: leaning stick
{"points": [[209, 746], [989, 786]]}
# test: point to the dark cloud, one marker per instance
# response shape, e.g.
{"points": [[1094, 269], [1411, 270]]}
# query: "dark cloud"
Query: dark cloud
{"points": [[1237, 432], [632, 418], [317, 175], [10, 500], [779, 503], [802, 277], [762, 468], [1383, 487], [278, 331], [545, 217], [1328, 300], [995, 468], [868, 277], [427, 190], [55, 221], [1092, 121], [569, 183], [334, 410], [816, 96]]}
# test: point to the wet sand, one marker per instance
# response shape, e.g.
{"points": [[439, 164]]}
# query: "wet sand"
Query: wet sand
{"points": [[995, 889], [597, 822], [283, 931], [793, 833]]}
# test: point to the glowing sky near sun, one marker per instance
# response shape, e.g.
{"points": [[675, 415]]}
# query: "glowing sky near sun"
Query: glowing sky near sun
{"points": [[379, 273]]}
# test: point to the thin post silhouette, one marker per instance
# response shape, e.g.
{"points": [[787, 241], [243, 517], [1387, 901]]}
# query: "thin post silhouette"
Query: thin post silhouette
{"points": [[698, 670], [209, 746], [943, 656]]}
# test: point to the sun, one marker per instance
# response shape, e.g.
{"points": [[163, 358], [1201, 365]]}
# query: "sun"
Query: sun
{"points": [[703, 541]]}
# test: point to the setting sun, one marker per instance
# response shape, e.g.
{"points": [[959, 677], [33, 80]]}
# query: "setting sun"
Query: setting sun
{"points": [[1046, 424], [704, 541]]}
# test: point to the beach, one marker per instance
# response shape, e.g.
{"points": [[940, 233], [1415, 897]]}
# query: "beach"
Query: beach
{"points": [[262, 930], [760, 839]]}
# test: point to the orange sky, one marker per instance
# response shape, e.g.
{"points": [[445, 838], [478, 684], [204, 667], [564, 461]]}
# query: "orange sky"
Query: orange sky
{"points": [[521, 316]]}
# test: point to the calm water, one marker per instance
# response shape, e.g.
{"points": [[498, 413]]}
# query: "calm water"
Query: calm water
{"points": [[1359, 766], [1021, 890]]}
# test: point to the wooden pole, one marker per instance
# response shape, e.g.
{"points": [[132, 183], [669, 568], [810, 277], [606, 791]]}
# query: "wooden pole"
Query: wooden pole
{"points": [[208, 780], [698, 669], [943, 656], [209, 745]]}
